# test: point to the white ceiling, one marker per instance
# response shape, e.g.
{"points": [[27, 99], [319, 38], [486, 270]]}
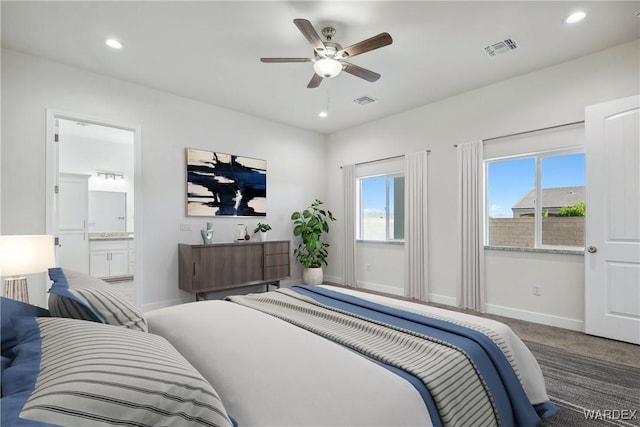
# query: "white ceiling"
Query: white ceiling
{"points": [[209, 50], [94, 133]]}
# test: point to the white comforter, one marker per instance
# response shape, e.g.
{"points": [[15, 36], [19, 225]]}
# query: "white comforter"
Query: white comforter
{"points": [[271, 373]]}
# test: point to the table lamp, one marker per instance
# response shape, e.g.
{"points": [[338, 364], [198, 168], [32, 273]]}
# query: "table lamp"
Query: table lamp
{"points": [[21, 255]]}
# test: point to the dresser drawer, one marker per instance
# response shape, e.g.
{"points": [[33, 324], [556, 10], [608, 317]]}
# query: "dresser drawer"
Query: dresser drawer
{"points": [[275, 260], [277, 272], [271, 248]]}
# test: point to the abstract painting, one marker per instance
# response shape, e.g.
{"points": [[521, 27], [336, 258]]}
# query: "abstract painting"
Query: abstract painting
{"points": [[221, 184]]}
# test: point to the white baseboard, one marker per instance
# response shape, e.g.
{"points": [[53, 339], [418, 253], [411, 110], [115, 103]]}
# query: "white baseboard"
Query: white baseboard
{"points": [[330, 279], [443, 299], [541, 318], [393, 290]]}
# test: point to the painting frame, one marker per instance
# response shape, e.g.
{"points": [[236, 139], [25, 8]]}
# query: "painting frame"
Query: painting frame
{"points": [[224, 185]]}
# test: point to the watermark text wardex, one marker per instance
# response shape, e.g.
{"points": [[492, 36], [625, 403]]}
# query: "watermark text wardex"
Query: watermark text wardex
{"points": [[610, 414]]}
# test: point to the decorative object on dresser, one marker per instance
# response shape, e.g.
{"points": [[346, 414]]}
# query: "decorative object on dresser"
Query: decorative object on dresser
{"points": [[224, 266], [310, 225], [207, 234], [262, 229], [20, 255], [221, 184], [240, 232]]}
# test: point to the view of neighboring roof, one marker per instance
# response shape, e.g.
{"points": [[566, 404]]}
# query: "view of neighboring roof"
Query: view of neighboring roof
{"points": [[552, 198]]}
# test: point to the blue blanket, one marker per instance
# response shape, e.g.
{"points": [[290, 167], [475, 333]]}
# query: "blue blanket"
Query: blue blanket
{"points": [[513, 406]]}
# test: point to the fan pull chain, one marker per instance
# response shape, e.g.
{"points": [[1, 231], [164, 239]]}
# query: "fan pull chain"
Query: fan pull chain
{"points": [[324, 113]]}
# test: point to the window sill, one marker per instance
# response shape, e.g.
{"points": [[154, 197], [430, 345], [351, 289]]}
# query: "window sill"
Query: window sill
{"points": [[382, 242], [561, 251]]}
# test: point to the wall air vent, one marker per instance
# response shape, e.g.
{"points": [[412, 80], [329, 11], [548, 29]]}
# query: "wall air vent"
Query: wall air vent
{"points": [[501, 47], [364, 100]]}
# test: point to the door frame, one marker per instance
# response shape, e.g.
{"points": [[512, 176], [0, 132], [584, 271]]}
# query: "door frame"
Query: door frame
{"points": [[52, 175]]}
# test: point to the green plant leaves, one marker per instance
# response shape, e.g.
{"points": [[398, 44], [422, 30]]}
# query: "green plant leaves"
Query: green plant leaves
{"points": [[310, 225]]}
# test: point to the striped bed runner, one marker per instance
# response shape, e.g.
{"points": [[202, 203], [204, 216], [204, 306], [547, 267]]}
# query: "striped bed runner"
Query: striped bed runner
{"points": [[459, 391]]}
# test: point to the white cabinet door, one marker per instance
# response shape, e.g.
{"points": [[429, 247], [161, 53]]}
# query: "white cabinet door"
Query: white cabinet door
{"points": [[109, 258], [100, 264], [612, 259], [73, 199], [119, 264], [73, 249]]}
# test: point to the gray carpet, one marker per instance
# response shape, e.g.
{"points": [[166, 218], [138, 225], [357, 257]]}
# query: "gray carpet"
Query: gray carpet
{"points": [[578, 384]]}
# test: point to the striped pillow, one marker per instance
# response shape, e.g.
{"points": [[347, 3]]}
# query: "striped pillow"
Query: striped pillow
{"points": [[93, 303], [74, 373]]}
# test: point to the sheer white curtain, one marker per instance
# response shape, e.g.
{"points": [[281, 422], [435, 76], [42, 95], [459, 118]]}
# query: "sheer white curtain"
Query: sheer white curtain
{"points": [[471, 283], [415, 227], [349, 215]]}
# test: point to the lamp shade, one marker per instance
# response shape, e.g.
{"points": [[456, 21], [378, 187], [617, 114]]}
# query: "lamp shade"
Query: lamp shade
{"points": [[26, 254], [327, 67]]}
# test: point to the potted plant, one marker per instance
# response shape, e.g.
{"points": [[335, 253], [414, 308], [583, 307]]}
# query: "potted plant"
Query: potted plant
{"points": [[310, 225], [262, 229]]}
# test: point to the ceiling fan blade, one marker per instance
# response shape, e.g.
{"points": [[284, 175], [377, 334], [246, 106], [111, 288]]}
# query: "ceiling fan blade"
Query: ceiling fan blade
{"points": [[310, 33], [357, 71], [375, 42], [278, 60], [315, 81]]}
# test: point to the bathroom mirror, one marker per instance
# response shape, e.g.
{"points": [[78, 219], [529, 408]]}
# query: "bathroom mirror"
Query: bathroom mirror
{"points": [[108, 211]]}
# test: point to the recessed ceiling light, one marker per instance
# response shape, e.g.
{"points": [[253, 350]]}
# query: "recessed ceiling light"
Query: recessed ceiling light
{"points": [[575, 17], [116, 44], [323, 114]]}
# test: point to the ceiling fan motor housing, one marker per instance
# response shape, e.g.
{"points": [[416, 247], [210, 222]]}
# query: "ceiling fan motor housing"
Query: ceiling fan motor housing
{"points": [[328, 33], [329, 57]]}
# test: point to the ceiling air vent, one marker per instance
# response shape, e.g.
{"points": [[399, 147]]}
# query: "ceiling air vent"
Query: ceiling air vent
{"points": [[501, 47], [364, 100]]}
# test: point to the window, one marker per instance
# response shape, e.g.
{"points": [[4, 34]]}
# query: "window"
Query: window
{"points": [[381, 207], [514, 187]]}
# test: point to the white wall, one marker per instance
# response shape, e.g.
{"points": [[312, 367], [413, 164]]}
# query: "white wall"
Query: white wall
{"points": [[544, 98], [168, 124]]}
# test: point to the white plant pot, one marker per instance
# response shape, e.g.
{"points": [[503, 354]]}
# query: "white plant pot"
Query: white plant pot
{"points": [[262, 235], [312, 276]]}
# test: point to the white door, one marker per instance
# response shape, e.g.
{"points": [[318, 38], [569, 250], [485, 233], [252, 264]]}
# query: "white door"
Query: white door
{"points": [[73, 207], [612, 253]]}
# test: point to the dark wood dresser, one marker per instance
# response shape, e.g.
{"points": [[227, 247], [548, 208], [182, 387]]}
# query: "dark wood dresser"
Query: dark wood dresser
{"points": [[224, 266]]}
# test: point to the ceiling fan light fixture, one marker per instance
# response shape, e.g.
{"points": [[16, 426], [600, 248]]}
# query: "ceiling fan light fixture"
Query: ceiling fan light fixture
{"points": [[327, 67]]}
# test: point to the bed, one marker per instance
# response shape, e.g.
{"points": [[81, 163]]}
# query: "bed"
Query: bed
{"points": [[299, 356]]}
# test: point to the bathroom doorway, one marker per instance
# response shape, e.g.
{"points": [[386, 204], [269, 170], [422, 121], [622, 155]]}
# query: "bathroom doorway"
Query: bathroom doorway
{"points": [[92, 200]]}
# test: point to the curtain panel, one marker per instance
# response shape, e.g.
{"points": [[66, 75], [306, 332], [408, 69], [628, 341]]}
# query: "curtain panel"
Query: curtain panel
{"points": [[349, 215], [471, 281], [415, 231]]}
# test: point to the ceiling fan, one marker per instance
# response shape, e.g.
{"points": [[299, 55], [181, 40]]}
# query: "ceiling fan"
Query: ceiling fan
{"points": [[329, 57]]}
